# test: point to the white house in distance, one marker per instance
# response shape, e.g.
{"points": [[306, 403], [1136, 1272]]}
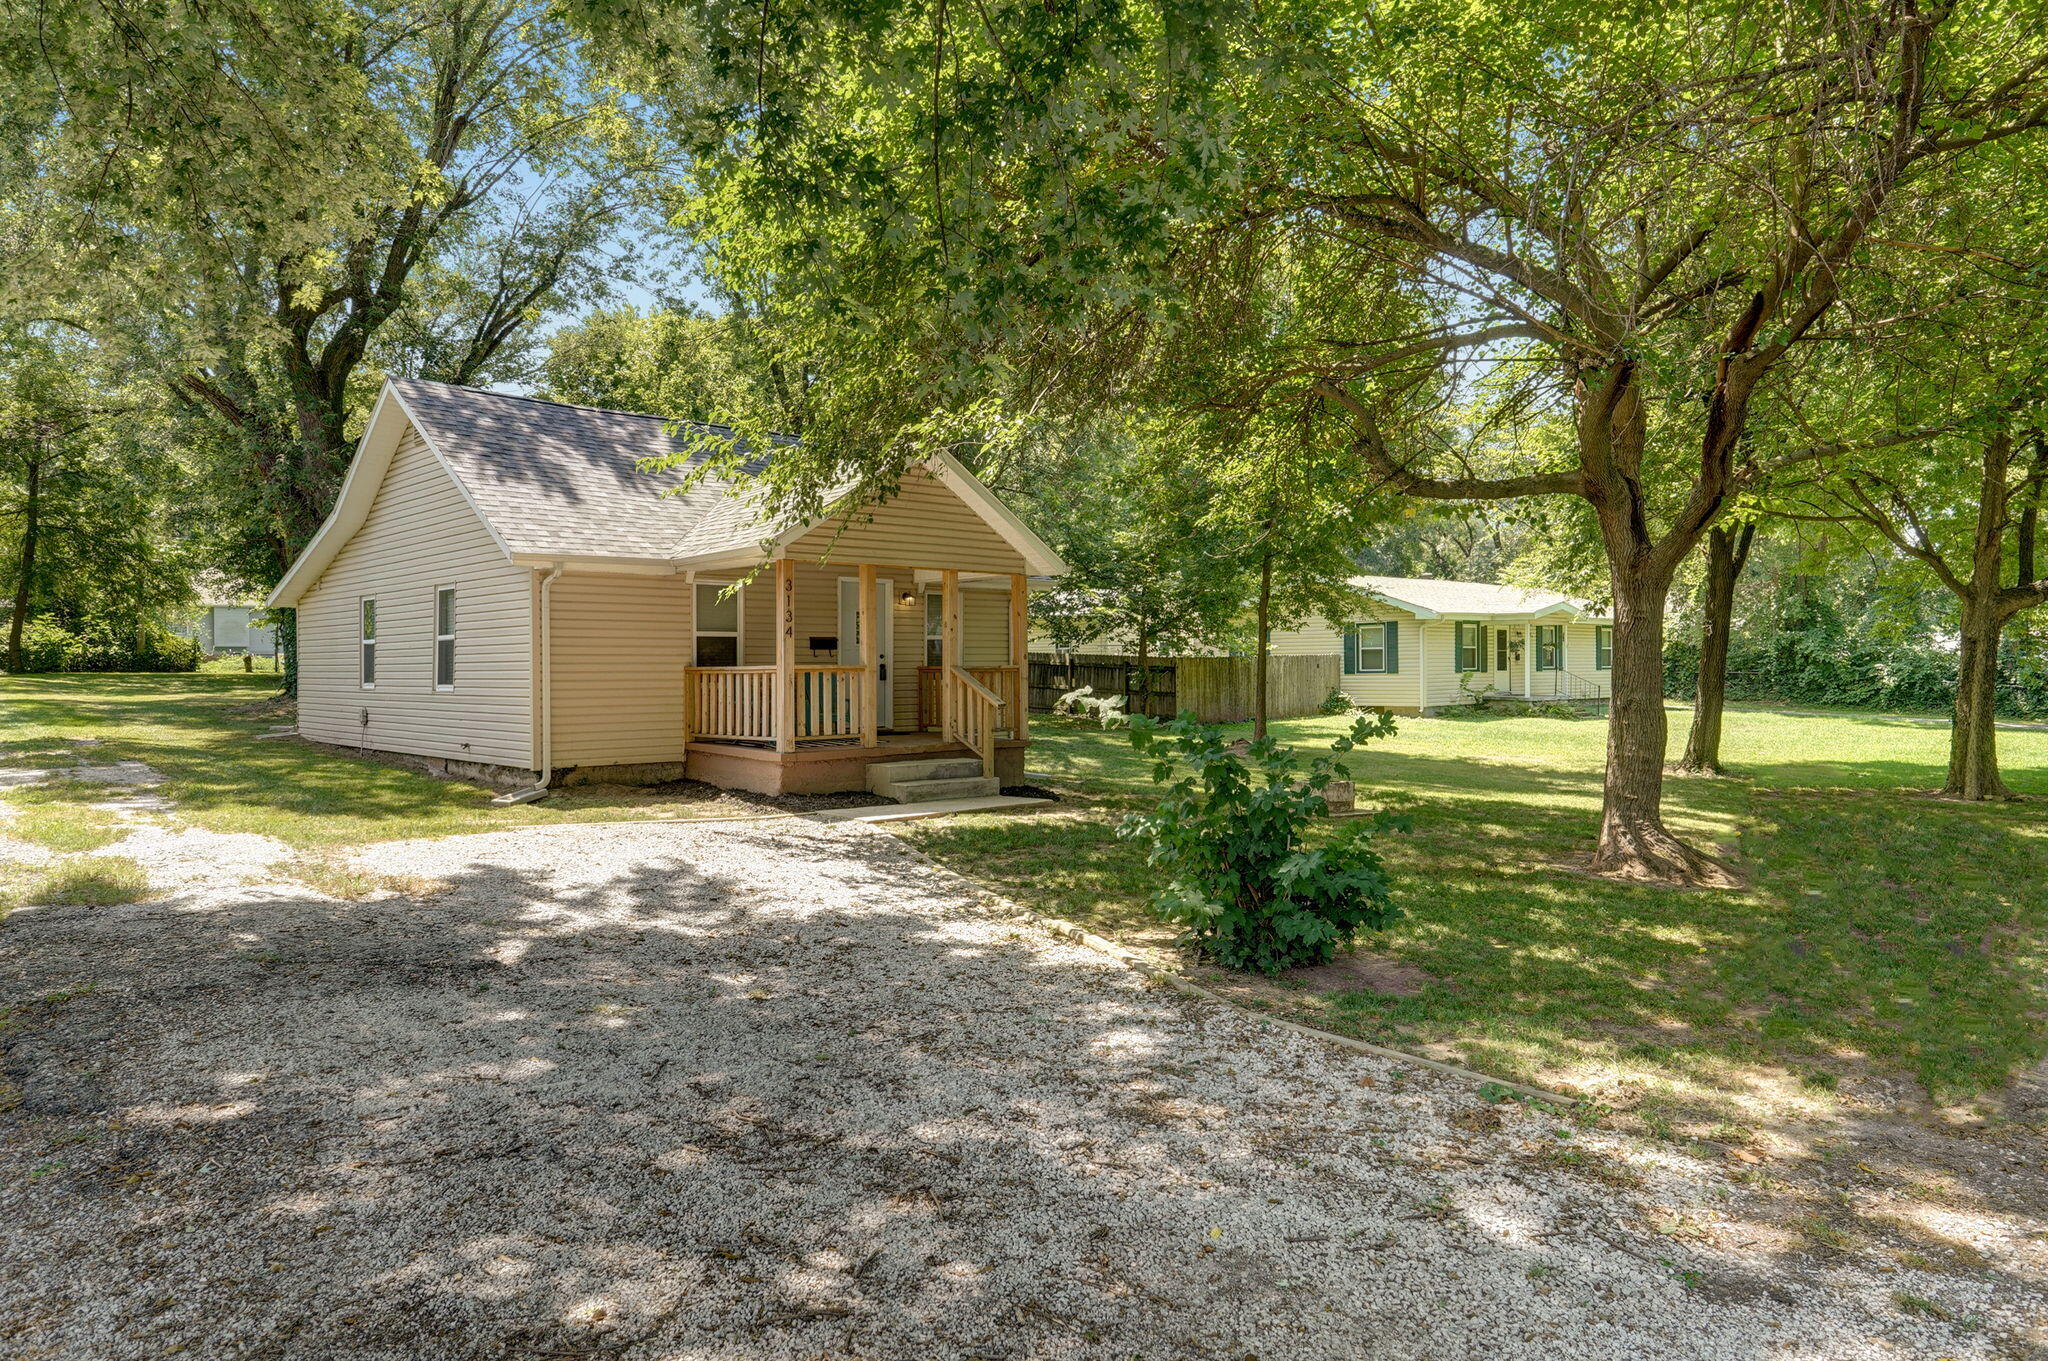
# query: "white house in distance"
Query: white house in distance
{"points": [[225, 623], [502, 591], [1409, 649]]}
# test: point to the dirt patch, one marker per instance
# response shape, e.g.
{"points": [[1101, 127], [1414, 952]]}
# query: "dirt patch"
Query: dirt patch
{"points": [[710, 800], [1363, 971]]}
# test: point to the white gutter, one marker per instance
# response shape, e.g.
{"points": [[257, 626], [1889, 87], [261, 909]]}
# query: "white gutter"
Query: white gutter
{"points": [[545, 697]]}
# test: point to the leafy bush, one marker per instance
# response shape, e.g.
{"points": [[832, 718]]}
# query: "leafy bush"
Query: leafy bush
{"points": [[1230, 835], [1336, 702], [1822, 666], [47, 647], [116, 647]]}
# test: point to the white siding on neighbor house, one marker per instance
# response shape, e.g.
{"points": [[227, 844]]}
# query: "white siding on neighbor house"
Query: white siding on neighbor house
{"points": [[1393, 691], [420, 535], [620, 645]]}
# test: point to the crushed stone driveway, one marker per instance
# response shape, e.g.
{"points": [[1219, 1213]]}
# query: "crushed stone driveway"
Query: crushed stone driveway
{"points": [[785, 1090]]}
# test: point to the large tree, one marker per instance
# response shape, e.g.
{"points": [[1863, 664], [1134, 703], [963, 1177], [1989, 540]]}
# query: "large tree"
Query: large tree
{"points": [[86, 487], [1645, 212], [283, 199]]}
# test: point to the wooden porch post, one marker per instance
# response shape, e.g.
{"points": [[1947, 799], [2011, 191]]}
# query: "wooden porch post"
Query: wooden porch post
{"points": [[870, 658], [1020, 657], [785, 654], [949, 645]]}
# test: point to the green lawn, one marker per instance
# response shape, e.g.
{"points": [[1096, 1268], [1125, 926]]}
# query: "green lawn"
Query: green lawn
{"points": [[200, 730], [1881, 933]]}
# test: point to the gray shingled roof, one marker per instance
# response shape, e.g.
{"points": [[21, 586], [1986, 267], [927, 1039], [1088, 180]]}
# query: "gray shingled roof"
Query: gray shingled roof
{"points": [[552, 478], [1467, 597]]}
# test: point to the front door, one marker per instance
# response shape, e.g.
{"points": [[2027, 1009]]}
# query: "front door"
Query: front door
{"points": [[850, 646]]}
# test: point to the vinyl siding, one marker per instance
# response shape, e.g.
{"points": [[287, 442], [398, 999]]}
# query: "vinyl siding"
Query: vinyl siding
{"points": [[620, 646], [421, 534], [924, 525], [1394, 691]]}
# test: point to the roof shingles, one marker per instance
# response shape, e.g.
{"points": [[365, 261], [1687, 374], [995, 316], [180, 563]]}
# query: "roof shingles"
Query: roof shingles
{"points": [[551, 478]]}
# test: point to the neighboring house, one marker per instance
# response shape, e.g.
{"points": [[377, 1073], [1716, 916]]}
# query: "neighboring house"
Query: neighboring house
{"points": [[225, 623], [501, 590], [1424, 643]]}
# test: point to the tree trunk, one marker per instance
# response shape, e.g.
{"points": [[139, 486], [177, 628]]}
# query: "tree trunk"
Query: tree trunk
{"points": [[1726, 554], [25, 565], [1634, 843], [1265, 642], [1973, 741]]}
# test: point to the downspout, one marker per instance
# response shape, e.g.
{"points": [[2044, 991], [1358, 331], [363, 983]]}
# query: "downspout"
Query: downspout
{"points": [[545, 697]]}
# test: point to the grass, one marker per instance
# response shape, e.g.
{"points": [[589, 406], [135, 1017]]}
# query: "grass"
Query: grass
{"points": [[58, 826], [199, 731], [1880, 932], [89, 881]]}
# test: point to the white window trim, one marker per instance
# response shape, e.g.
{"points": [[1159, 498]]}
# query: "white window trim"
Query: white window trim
{"points": [[366, 609], [1458, 631], [1359, 631], [738, 634], [930, 637], [440, 638]]}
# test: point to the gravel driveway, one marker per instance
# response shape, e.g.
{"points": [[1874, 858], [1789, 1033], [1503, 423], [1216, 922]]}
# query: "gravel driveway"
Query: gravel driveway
{"points": [[782, 1090]]}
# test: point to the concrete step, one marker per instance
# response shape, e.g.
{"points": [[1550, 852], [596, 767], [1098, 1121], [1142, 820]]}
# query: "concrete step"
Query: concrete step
{"points": [[924, 791], [883, 774], [1000, 803]]}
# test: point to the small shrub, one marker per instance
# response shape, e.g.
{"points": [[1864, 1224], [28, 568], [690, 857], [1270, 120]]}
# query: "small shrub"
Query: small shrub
{"points": [[1230, 835], [47, 647], [1336, 702]]}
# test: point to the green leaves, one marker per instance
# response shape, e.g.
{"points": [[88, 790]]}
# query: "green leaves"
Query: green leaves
{"points": [[1234, 837]]}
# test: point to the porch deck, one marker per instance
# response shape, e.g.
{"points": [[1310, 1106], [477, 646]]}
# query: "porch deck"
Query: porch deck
{"points": [[834, 767]]}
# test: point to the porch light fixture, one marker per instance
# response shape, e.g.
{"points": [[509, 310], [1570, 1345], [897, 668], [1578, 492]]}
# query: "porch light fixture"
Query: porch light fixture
{"points": [[906, 599]]}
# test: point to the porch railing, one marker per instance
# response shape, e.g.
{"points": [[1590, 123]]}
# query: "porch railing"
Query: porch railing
{"points": [[1007, 683], [738, 703], [729, 703], [973, 713], [830, 702]]}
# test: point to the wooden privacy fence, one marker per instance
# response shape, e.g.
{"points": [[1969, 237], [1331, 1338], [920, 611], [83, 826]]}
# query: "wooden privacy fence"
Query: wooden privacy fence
{"points": [[1218, 689]]}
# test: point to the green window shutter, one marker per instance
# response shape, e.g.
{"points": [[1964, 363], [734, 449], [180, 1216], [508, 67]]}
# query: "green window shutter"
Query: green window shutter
{"points": [[1393, 646], [1350, 650], [1560, 647], [1485, 657]]}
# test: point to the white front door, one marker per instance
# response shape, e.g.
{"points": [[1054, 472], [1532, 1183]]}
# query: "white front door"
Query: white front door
{"points": [[850, 643]]}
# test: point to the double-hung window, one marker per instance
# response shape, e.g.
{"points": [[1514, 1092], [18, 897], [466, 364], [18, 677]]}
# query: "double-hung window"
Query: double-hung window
{"points": [[1550, 647], [934, 629], [1372, 649], [1603, 647], [1471, 647], [718, 625], [444, 638], [367, 636]]}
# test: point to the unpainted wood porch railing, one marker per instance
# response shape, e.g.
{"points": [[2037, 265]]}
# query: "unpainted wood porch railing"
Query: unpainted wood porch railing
{"points": [[1006, 681], [729, 703], [830, 702], [973, 712], [738, 703]]}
